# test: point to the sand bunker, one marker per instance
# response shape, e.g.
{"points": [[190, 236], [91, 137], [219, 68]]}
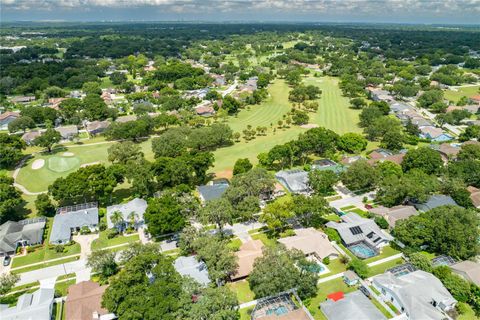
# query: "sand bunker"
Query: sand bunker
{"points": [[89, 164], [38, 164], [309, 125], [68, 154]]}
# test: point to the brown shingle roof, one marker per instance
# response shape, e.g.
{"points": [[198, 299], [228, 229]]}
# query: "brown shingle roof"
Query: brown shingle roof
{"points": [[469, 270], [310, 241], [7, 114], [83, 300], [249, 251], [474, 196]]}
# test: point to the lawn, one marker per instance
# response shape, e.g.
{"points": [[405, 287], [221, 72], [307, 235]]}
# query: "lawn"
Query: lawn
{"points": [[462, 91], [381, 268], [57, 165], [103, 242], [61, 288], [335, 266], [269, 242], [245, 313], [387, 251], [242, 290], [334, 112], [45, 265], [325, 289]]}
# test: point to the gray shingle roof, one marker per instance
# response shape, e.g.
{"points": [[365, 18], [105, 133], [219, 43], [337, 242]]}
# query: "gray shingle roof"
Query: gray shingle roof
{"points": [[415, 292], [212, 192], [137, 205], [354, 305], [367, 226], [295, 181], [30, 306], [435, 201], [64, 222], [12, 232], [190, 266]]}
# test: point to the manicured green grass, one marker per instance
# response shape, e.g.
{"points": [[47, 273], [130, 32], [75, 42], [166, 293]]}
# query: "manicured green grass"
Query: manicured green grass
{"points": [[45, 265], [387, 251], [265, 239], [381, 308], [245, 313], [469, 314], [325, 289], [333, 198], [26, 286], [333, 217], [104, 242], [335, 266], [360, 212], [62, 287], [235, 244], [242, 290], [347, 208], [44, 253], [334, 111], [381, 268], [462, 91], [57, 165]]}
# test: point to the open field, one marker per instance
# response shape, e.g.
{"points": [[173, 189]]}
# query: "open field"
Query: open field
{"points": [[468, 91]]}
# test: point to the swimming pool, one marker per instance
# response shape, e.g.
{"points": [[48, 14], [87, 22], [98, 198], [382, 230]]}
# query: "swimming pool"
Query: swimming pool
{"points": [[316, 268], [362, 250], [278, 311]]}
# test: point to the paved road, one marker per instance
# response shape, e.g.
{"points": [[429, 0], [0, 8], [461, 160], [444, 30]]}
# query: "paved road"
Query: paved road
{"points": [[230, 89], [52, 272], [352, 201]]}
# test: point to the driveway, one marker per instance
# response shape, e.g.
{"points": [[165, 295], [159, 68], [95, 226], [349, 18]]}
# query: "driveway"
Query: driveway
{"points": [[241, 229], [85, 242], [4, 269], [352, 201]]}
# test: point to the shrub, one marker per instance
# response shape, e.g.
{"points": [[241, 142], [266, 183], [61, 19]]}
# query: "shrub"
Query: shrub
{"points": [[333, 235], [344, 259], [85, 230], [102, 226], [287, 233], [59, 249], [381, 222], [101, 212], [359, 266], [112, 233], [326, 260]]}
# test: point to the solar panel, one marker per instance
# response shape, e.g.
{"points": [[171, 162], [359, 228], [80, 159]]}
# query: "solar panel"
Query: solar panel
{"points": [[356, 230], [443, 261]]}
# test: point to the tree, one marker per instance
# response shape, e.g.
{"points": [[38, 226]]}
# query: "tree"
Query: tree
{"points": [[299, 117], [215, 303], [359, 266], [48, 139], [430, 97], [455, 284], [276, 215], [21, 124], [164, 215], [44, 205], [242, 166], [322, 181], [469, 152], [11, 146], [7, 281], [103, 262], [392, 140], [231, 105], [117, 219], [369, 115], [319, 141], [352, 142], [92, 88], [358, 103], [310, 210], [131, 130], [218, 212], [124, 152], [423, 158], [448, 230], [420, 261], [279, 270], [381, 222], [218, 256], [10, 198], [360, 176]]}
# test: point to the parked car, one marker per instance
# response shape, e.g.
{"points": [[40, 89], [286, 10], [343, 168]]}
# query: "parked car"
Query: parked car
{"points": [[368, 206], [6, 260], [365, 291]]}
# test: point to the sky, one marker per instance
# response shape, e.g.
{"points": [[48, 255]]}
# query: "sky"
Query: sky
{"points": [[377, 11]]}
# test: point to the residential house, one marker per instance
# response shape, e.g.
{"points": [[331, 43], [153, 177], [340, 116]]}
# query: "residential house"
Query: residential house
{"points": [[23, 99], [311, 242], [448, 151], [137, 207], [191, 267], [30, 306], [476, 98], [349, 160], [434, 134], [6, 118], [67, 132], [435, 201], [350, 278], [54, 103], [283, 306], [107, 98], [395, 158], [84, 302], [128, 118], [71, 219], [213, 190], [397, 107], [249, 251], [469, 270], [380, 154], [75, 94], [418, 294], [361, 235], [14, 234], [421, 122], [30, 136], [474, 196], [296, 181], [205, 110], [96, 127], [378, 94], [354, 305], [219, 80], [250, 85], [394, 214]]}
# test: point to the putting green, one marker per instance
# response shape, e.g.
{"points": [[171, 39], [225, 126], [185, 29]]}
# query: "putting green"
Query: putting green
{"points": [[62, 164]]}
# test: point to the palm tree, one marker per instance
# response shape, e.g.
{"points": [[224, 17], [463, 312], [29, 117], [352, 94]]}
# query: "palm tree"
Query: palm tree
{"points": [[132, 218], [117, 219]]}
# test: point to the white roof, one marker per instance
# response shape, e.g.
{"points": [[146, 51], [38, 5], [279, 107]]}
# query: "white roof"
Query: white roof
{"points": [[137, 205], [415, 292], [353, 306], [30, 306], [190, 266]]}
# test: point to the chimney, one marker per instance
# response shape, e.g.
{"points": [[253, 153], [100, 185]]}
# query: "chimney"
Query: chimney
{"points": [[95, 315]]}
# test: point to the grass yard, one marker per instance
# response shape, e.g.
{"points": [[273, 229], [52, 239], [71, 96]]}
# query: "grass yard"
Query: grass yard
{"points": [[335, 266], [381, 268], [325, 289], [269, 242], [57, 165], [381, 308], [334, 112], [245, 313], [103, 242], [62, 287], [242, 290], [387, 251], [333, 217], [469, 91], [45, 264]]}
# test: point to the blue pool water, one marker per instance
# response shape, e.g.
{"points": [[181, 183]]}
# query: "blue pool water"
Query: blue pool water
{"points": [[281, 310], [315, 268], [363, 251]]}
